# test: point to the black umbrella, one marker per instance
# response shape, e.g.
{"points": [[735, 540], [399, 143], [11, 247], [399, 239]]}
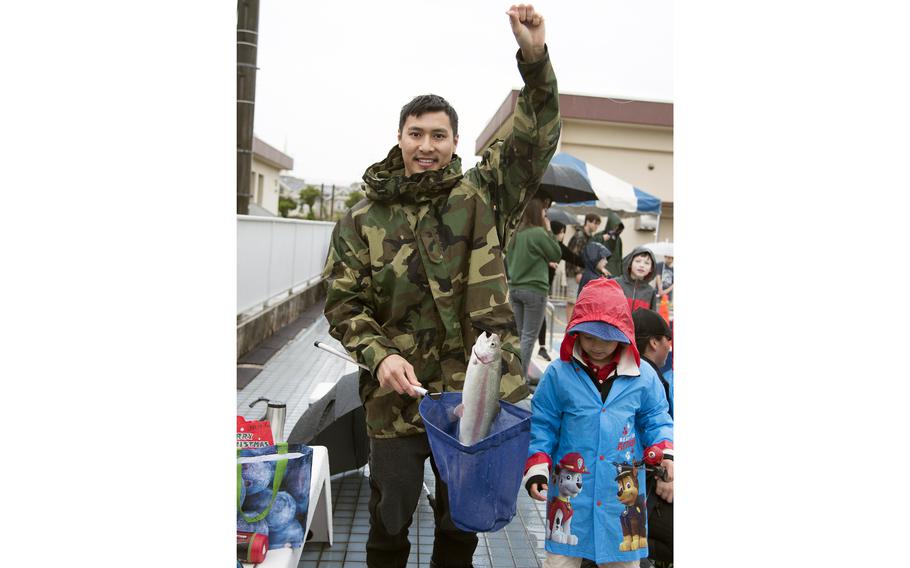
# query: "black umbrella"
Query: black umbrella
{"points": [[565, 184], [556, 214], [336, 421]]}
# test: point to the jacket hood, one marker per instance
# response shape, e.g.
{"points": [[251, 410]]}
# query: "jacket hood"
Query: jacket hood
{"points": [[627, 264], [613, 221], [603, 300], [386, 180], [592, 253]]}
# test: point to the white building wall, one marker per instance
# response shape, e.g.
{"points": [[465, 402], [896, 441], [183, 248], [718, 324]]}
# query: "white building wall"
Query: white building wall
{"points": [[264, 186]]}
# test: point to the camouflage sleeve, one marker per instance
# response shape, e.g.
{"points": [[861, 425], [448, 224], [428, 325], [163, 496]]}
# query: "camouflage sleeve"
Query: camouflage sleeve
{"points": [[349, 299], [513, 168]]}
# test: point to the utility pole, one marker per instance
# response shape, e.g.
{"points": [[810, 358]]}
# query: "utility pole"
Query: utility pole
{"points": [[247, 40], [321, 200], [332, 206]]}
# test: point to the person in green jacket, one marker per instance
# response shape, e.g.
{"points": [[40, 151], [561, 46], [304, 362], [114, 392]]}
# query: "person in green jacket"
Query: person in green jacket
{"points": [[415, 272], [527, 261], [610, 237]]}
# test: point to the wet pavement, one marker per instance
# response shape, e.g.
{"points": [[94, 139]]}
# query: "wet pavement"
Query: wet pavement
{"points": [[296, 373], [518, 545]]}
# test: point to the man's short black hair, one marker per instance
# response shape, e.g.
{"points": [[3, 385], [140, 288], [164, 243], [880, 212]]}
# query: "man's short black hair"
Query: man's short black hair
{"points": [[428, 103]]}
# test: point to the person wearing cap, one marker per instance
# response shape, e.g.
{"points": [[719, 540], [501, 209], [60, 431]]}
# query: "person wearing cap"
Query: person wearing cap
{"points": [[600, 402], [652, 338]]}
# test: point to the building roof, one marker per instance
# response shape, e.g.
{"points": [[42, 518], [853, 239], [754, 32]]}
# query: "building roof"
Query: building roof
{"points": [[294, 184], [271, 155], [584, 107]]}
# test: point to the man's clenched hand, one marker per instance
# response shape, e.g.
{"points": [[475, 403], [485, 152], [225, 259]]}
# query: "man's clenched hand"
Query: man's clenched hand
{"points": [[528, 27]]}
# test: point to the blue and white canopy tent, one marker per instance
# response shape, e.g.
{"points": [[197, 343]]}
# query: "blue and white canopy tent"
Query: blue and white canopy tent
{"points": [[611, 192]]}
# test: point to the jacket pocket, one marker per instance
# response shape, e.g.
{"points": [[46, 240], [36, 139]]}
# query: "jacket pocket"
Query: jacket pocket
{"points": [[513, 387]]}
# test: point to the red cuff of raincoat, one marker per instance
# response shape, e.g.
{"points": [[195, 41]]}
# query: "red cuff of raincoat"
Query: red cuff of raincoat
{"points": [[536, 459], [666, 446]]}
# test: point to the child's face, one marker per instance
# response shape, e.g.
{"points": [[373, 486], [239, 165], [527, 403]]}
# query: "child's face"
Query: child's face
{"points": [[598, 350], [660, 348], [641, 266]]}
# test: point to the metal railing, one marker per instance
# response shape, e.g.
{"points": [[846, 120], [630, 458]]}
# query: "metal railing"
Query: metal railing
{"points": [[276, 258]]}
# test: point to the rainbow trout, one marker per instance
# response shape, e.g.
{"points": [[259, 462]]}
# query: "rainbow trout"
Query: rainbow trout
{"points": [[480, 397]]}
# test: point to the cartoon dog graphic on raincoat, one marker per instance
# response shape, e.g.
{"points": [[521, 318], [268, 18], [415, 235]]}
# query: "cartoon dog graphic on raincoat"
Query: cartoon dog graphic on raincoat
{"points": [[634, 517], [567, 477]]}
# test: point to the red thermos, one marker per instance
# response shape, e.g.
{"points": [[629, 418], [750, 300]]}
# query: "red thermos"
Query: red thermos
{"points": [[251, 547]]}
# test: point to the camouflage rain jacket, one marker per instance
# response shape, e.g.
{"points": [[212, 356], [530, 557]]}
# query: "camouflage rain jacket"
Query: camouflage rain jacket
{"points": [[416, 268]]}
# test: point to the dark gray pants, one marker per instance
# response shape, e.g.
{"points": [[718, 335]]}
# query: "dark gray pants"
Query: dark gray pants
{"points": [[396, 481]]}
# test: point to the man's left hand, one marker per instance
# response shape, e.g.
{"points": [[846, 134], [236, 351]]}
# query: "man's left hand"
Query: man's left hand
{"points": [[529, 31]]}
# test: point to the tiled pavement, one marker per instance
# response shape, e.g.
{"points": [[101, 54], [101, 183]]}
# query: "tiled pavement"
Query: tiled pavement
{"points": [[292, 374], [518, 545]]}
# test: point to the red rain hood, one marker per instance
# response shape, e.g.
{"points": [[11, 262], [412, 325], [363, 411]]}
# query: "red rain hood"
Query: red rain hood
{"points": [[601, 300]]}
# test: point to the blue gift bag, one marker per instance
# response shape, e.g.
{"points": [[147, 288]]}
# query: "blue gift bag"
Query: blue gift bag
{"points": [[282, 503]]}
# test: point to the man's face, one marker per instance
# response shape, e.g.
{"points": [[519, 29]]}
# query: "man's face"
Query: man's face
{"points": [[426, 142], [591, 227], [660, 347], [641, 266]]}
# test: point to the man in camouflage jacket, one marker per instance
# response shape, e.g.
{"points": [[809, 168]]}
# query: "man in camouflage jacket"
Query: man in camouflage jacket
{"points": [[416, 271]]}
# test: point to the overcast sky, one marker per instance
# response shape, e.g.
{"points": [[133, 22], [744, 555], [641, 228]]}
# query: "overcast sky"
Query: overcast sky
{"points": [[333, 76]]}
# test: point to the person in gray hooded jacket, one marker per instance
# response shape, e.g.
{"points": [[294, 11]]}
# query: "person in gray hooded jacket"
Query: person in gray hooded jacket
{"points": [[637, 271]]}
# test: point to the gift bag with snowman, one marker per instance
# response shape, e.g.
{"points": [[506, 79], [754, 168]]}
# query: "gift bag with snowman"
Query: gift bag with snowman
{"points": [[273, 492]]}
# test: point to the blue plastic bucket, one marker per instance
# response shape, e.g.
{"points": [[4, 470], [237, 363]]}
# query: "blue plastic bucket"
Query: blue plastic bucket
{"points": [[483, 479]]}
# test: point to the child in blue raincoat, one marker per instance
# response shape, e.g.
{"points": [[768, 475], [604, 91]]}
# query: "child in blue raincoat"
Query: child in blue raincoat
{"points": [[595, 414]]}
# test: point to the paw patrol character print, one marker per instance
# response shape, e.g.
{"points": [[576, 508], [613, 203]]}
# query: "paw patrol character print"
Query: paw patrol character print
{"points": [[567, 478], [633, 518]]}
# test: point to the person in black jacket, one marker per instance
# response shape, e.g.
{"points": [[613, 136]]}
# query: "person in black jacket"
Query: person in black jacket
{"points": [[558, 229], [595, 257], [652, 337]]}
